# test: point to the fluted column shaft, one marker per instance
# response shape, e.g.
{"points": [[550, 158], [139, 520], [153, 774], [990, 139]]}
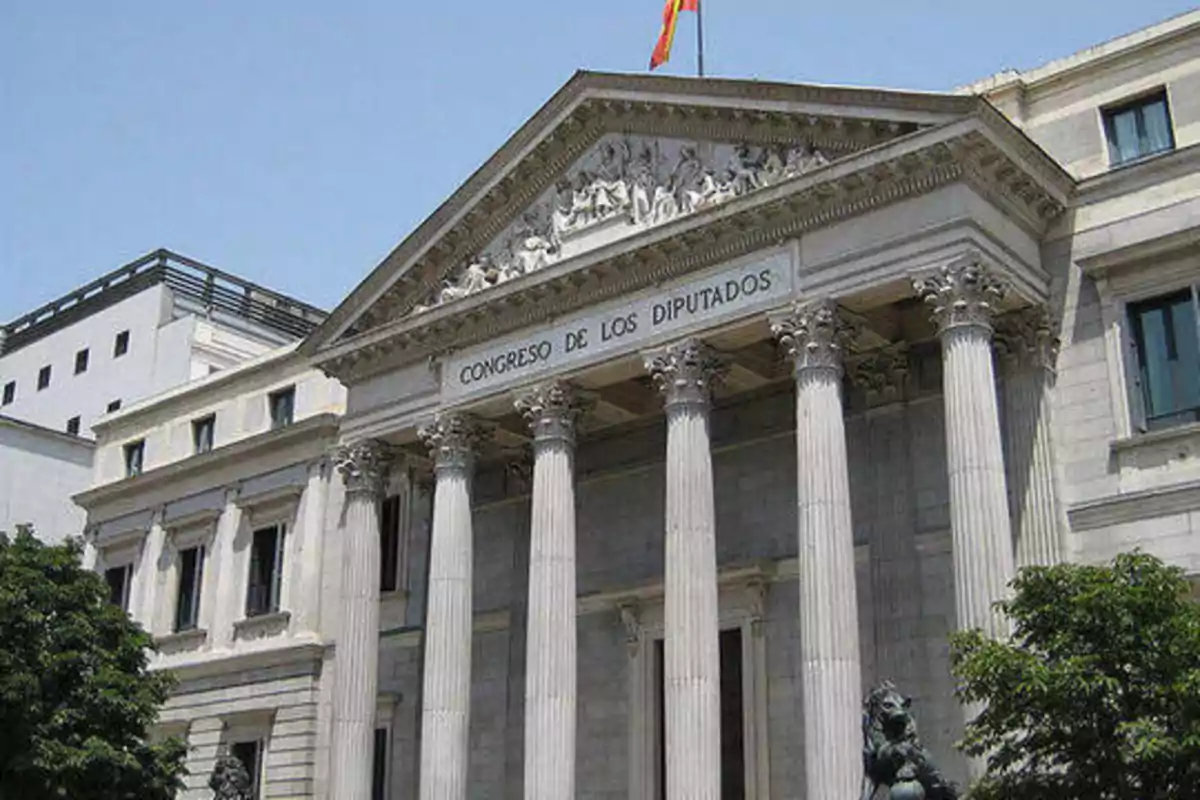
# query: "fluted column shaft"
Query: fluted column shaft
{"points": [[550, 665], [446, 695], [692, 665], [814, 335], [1029, 346], [364, 468]]}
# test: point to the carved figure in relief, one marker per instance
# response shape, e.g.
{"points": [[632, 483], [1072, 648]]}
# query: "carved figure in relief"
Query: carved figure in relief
{"points": [[744, 170], [641, 190], [685, 179], [893, 756]]}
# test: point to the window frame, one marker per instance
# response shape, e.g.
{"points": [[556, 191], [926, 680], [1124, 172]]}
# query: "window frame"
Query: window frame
{"points": [[273, 399], [73, 426], [81, 361], [256, 774], [113, 406], [196, 593], [274, 598], [1137, 103], [198, 425], [45, 374], [126, 568], [1139, 390], [121, 343], [9, 395], [127, 450]]}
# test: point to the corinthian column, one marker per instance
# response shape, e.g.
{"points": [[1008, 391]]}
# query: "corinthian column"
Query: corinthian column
{"points": [[692, 666], [814, 335], [446, 695], [1029, 347], [550, 672], [964, 296], [363, 466]]}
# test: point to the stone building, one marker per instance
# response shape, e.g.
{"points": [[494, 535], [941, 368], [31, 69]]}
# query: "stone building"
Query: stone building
{"points": [[702, 406]]}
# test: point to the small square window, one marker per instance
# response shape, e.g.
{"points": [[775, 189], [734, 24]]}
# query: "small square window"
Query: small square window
{"points": [[43, 377], [10, 392], [81, 361], [73, 426], [203, 430], [115, 405], [266, 571], [1166, 341], [283, 407], [1138, 128], [135, 453], [121, 345], [118, 580], [187, 602]]}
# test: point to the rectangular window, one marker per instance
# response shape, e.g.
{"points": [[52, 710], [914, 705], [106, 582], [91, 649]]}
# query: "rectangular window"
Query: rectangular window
{"points": [[1138, 129], [135, 453], [1166, 339], [121, 344], [43, 377], [118, 580], [249, 754], [379, 765], [10, 392], [81, 361], [115, 405], [202, 434], [283, 407], [187, 603], [389, 545], [733, 751], [73, 426], [266, 571]]}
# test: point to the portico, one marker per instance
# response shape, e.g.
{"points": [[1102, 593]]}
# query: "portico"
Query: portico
{"points": [[623, 299]]}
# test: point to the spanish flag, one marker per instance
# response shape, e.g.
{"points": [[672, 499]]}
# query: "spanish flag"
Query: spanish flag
{"points": [[662, 50]]}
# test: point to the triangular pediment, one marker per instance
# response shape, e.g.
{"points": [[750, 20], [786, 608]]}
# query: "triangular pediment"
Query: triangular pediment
{"points": [[608, 159]]}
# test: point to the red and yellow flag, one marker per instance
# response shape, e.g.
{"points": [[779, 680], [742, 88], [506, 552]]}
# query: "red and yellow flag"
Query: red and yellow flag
{"points": [[662, 50]]}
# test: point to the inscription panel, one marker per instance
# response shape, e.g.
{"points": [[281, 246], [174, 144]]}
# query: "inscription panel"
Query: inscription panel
{"points": [[642, 320]]}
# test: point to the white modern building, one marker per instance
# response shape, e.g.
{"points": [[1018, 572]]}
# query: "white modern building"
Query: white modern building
{"points": [[153, 324], [700, 408]]}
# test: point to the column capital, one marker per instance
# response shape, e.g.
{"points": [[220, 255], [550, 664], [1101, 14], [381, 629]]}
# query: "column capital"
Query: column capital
{"points": [[453, 439], [815, 334], [1027, 339], [963, 293], [685, 372], [364, 467], [552, 410], [881, 375]]}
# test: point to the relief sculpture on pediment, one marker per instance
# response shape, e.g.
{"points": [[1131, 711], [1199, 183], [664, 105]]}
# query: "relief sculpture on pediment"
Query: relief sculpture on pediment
{"points": [[623, 185]]}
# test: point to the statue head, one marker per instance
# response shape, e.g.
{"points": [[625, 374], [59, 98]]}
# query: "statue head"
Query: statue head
{"points": [[229, 779], [889, 712]]}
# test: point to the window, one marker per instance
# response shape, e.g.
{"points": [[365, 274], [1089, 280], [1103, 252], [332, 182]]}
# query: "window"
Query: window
{"points": [[134, 456], [118, 580], [43, 377], [10, 392], [81, 361], [266, 571], [1166, 339], [248, 753], [389, 545], [379, 765], [1138, 128], [121, 345], [202, 433], [187, 602], [73, 426], [115, 405], [283, 406]]}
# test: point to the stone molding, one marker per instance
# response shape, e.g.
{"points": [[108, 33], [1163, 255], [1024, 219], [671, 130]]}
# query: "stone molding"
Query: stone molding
{"points": [[815, 335], [453, 440], [685, 373], [1028, 339], [881, 375], [552, 410], [1139, 506], [364, 467], [965, 293]]}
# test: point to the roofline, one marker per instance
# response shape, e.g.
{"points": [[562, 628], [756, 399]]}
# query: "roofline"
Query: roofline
{"points": [[1120, 46], [586, 85], [42, 430]]}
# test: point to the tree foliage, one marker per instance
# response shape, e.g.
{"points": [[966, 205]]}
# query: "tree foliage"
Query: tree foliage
{"points": [[76, 698], [1097, 694]]}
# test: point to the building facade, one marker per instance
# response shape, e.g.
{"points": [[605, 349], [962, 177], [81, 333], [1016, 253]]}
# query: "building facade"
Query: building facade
{"points": [[703, 406]]}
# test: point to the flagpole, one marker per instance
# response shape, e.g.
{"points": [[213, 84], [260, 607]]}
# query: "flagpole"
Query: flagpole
{"points": [[700, 38]]}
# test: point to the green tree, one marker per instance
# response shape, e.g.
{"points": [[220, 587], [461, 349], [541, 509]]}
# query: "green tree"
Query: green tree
{"points": [[75, 695], [1097, 694]]}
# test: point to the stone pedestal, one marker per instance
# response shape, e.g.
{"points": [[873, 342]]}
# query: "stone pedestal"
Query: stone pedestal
{"points": [[364, 468], [684, 372], [1029, 347], [550, 664], [446, 694], [814, 335]]}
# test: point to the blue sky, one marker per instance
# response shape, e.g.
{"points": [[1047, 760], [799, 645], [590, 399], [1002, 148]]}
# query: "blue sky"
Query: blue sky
{"points": [[295, 142]]}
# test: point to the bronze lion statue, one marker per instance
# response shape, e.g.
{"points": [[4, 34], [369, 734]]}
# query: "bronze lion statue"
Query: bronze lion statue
{"points": [[892, 752]]}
